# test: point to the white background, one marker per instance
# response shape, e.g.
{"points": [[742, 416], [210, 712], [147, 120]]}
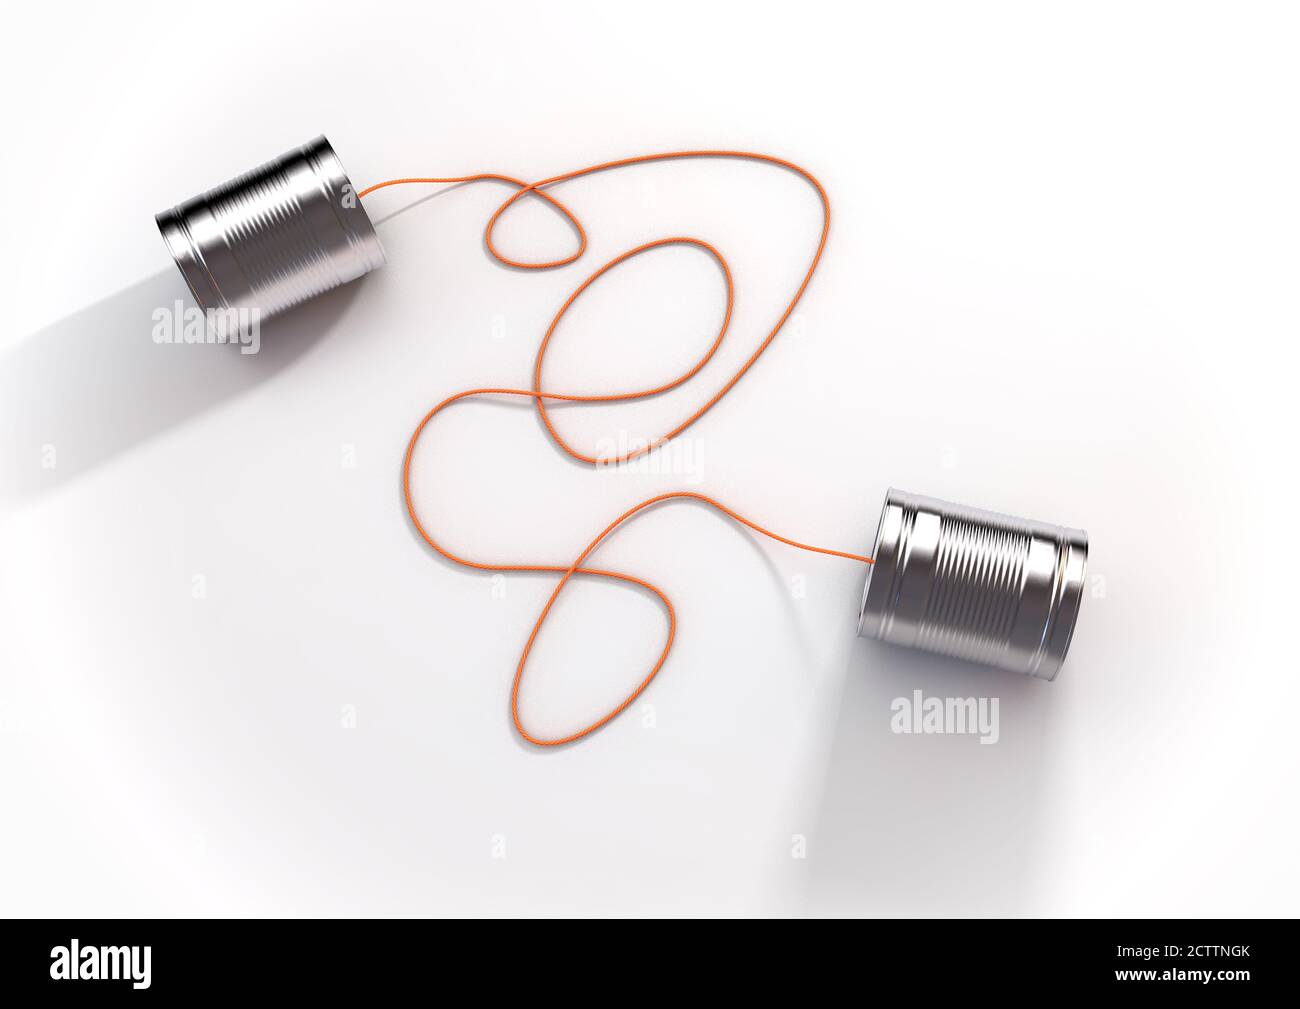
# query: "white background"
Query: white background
{"points": [[1061, 283]]}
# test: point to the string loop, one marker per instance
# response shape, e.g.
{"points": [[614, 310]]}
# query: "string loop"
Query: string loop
{"points": [[541, 396]]}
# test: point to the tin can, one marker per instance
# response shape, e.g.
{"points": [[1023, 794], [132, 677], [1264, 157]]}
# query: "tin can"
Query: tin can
{"points": [[273, 237], [974, 584]]}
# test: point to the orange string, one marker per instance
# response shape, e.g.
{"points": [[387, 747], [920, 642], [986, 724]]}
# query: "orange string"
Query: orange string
{"points": [[540, 397]]}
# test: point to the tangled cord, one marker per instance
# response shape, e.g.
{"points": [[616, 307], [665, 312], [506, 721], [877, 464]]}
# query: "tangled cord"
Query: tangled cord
{"points": [[540, 398]]}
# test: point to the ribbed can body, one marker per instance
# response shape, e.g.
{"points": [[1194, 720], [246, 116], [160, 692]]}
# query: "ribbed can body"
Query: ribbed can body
{"points": [[275, 236], [974, 584]]}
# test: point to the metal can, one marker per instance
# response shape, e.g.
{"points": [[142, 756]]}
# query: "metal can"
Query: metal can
{"points": [[974, 584], [273, 237]]}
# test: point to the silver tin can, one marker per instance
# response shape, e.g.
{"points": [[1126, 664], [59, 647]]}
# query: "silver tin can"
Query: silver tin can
{"points": [[974, 584], [273, 237]]}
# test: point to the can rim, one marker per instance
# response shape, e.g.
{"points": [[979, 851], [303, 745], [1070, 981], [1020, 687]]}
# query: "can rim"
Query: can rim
{"points": [[875, 554], [1065, 616], [189, 258], [356, 223]]}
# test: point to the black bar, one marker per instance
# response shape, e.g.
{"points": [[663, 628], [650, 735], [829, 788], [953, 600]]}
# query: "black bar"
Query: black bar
{"points": [[1222, 959]]}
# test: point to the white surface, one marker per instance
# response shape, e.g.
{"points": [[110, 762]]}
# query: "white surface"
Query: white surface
{"points": [[1061, 283]]}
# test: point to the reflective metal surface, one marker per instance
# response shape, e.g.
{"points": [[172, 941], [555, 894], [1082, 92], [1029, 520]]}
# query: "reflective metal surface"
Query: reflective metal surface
{"points": [[974, 584], [275, 236]]}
